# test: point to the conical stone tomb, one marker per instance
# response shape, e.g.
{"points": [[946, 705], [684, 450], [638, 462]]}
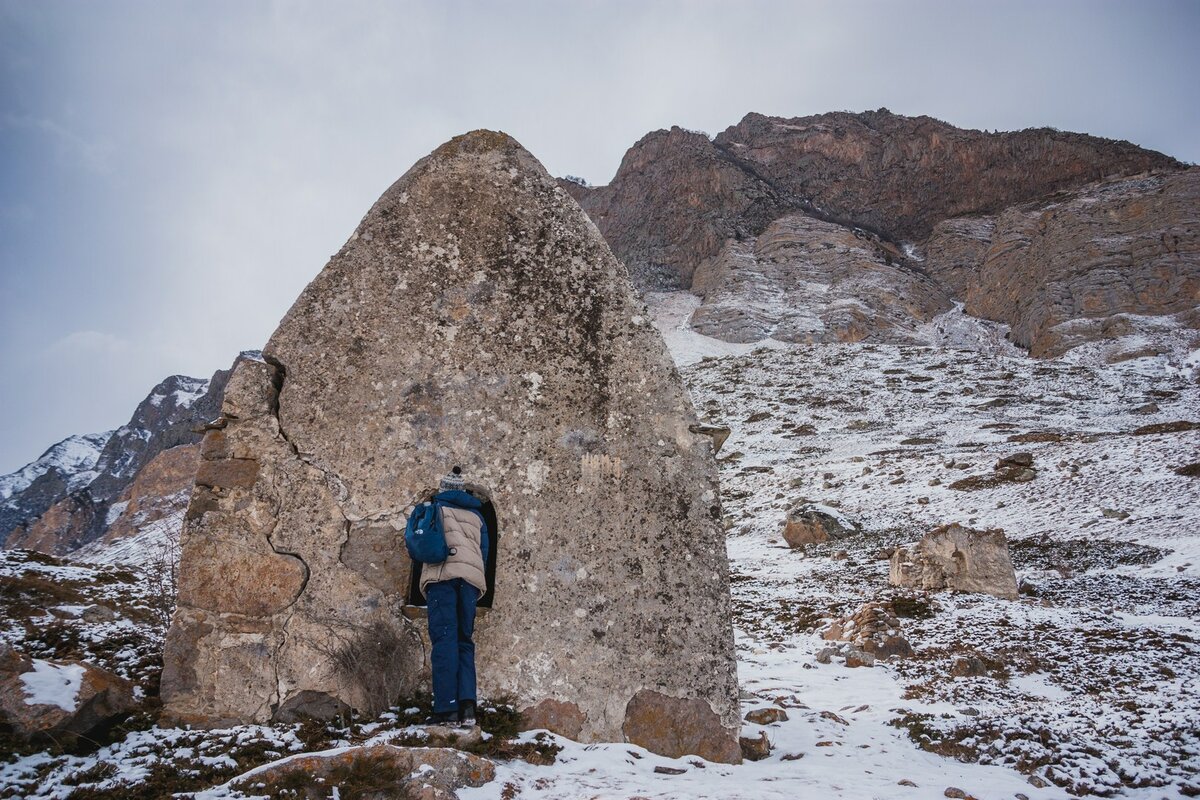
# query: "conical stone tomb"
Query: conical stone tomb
{"points": [[475, 317]]}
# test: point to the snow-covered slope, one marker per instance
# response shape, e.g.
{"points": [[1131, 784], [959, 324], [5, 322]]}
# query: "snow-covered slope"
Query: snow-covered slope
{"points": [[73, 457], [1087, 684], [66, 467]]}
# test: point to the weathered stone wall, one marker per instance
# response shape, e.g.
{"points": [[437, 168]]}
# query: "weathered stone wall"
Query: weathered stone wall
{"points": [[475, 317]]}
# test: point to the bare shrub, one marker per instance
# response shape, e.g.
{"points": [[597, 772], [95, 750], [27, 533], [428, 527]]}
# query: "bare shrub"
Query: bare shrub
{"points": [[162, 566], [376, 661]]}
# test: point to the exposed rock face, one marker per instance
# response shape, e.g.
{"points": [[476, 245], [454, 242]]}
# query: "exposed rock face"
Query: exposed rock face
{"points": [[475, 317], [958, 558], [1069, 270], [828, 196], [901, 175], [65, 526], [165, 419], [805, 280], [678, 197], [154, 502], [44, 700], [675, 201]]}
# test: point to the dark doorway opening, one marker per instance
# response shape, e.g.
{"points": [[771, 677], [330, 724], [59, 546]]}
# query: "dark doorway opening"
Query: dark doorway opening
{"points": [[415, 598]]}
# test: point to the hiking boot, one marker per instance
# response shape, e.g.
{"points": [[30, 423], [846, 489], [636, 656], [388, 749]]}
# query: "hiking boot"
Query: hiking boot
{"points": [[443, 718], [466, 714]]}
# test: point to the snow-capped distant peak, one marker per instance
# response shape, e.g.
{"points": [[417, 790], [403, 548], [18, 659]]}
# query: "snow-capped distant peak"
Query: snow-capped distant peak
{"points": [[71, 456]]}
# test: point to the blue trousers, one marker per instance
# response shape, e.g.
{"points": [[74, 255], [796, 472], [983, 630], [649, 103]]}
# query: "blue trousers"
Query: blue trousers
{"points": [[451, 626]]}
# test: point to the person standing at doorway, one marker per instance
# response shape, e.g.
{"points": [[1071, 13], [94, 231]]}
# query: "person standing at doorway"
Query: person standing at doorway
{"points": [[451, 589]]}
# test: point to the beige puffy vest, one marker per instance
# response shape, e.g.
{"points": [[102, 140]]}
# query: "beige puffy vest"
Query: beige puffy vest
{"points": [[463, 530]]}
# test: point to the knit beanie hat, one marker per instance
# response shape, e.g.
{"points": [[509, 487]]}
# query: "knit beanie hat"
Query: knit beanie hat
{"points": [[453, 482]]}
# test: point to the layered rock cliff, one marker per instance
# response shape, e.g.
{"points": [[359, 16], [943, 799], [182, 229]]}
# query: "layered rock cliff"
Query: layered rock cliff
{"points": [[901, 175], [687, 211], [1077, 266]]}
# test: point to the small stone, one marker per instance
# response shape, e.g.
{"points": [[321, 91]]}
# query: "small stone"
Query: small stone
{"points": [[661, 770], [1021, 459], [968, 667], [922, 501], [98, 613], [906, 782], [952, 791], [766, 716], [1037, 782], [858, 658], [826, 655], [755, 748]]}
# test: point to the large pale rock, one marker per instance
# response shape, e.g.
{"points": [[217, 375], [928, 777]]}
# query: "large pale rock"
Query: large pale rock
{"points": [[475, 317], [958, 558]]}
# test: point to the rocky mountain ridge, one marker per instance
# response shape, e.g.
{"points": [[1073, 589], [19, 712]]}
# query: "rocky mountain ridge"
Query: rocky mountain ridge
{"points": [[80, 487], [65, 467], [682, 207]]}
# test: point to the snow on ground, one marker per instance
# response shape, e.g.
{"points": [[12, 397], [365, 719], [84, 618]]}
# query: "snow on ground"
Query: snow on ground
{"points": [[671, 312], [1088, 683], [111, 617], [53, 685]]}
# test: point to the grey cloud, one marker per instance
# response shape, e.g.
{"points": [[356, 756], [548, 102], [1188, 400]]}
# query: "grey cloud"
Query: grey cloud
{"points": [[175, 173]]}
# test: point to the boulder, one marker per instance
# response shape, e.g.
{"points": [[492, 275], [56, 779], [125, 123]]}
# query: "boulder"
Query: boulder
{"points": [[958, 558], [477, 318], [766, 716], [808, 524], [669, 726], [557, 716], [755, 748], [59, 701]]}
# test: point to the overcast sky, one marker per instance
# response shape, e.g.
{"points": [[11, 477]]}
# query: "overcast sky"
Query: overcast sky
{"points": [[172, 174]]}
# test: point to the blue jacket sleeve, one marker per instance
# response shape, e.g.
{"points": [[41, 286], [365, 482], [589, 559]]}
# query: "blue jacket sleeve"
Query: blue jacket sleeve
{"points": [[485, 540]]}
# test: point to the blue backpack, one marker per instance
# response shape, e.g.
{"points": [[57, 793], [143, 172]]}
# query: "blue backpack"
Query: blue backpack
{"points": [[423, 535]]}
